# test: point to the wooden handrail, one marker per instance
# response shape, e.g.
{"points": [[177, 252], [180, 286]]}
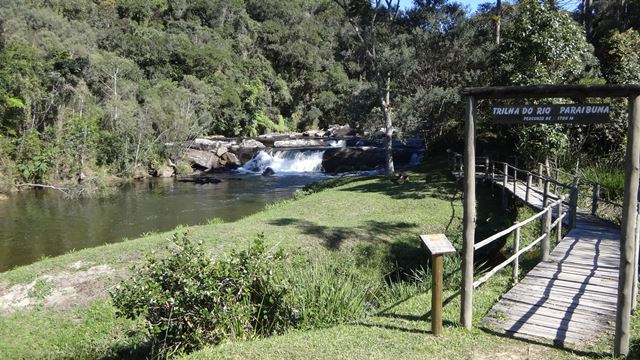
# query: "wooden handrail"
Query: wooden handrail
{"points": [[513, 227]]}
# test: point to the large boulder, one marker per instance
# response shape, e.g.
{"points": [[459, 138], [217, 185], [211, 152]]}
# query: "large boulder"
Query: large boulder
{"points": [[251, 143], [231, 159], [361, 158], [205, 160], [268, 172]]}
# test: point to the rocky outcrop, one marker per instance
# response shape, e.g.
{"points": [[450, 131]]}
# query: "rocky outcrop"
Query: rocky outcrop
{"points": [[361, 158], [340, 131], [299, 143], [268, 172]]}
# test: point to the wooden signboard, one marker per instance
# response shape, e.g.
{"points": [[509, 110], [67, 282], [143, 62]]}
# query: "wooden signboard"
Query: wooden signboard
{"points": [[437, 244], [551, 114]]}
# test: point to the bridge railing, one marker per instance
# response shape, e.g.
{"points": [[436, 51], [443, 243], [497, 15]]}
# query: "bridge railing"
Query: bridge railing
{"points": [[510, 177], [545, 239]]}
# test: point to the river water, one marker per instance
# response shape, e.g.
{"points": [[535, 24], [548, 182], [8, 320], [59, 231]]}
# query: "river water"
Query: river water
{"points": [[41, 223]]}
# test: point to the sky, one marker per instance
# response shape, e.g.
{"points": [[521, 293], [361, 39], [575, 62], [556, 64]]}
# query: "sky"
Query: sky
{"points": [[569, 5], [471, 4]]}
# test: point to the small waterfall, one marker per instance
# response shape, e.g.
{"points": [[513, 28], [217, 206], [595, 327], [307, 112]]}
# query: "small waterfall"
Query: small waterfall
{"points": [[286, 161], [337, 143]]}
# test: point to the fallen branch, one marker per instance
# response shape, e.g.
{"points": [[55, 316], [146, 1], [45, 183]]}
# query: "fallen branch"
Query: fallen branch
{"points": [[64, 190]]}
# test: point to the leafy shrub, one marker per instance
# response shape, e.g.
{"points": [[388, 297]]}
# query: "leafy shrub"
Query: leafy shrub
{"points": [[188, 300]]}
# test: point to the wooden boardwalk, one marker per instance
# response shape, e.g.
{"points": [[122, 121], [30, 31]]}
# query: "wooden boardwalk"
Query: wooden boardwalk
{"points": [[570, 299]]}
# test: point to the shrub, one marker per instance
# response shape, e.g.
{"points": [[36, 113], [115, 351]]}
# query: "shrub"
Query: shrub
{"points": [[188, 300]]}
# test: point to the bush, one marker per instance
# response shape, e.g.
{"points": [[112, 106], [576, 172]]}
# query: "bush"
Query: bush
{"points": [[188, 300]]}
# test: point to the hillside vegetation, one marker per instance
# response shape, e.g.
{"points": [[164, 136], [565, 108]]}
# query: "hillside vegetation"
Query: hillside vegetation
{"points": [[93, 88]]}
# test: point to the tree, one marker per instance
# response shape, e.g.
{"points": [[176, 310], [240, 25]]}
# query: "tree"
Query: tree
{"points": [[543, 45], [371, 34]]}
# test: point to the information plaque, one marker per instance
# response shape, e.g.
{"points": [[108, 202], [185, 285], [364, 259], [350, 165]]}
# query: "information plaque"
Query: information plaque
{"points": [[551, 114]]}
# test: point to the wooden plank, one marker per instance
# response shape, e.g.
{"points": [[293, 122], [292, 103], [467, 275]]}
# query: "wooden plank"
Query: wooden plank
{"points": [[514, 321], [540, 293], [560, 314], [582, 307], [580, 279], [568, 285], [530, 330], [551, 91], [576, 270]]}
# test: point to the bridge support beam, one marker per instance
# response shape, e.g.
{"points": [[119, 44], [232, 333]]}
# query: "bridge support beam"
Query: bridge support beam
{"points": [[469, 216], [627, 241]]}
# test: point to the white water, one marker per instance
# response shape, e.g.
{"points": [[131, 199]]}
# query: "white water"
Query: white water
{"points": [[286, 161]]}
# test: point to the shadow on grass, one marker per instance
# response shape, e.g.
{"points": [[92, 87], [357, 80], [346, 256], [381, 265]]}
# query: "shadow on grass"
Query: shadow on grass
{"points": [[132, 352], [436, 183], [555, 345], [333, 236]]}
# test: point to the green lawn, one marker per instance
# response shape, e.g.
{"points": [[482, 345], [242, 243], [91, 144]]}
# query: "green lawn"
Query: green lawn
{"points": [[374, 217]]}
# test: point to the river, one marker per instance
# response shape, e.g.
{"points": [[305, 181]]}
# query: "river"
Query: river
{"points": [[34, 224]]}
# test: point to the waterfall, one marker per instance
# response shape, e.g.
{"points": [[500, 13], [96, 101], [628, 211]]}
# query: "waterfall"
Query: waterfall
{"points": [[286, 161]]}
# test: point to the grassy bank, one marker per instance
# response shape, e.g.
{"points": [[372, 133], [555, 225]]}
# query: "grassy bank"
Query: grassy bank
{"points": [[375, 220]]}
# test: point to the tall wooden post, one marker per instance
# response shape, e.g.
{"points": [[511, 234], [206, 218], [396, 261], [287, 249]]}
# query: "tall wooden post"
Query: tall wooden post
{"points": [[505, 179], [540, 174], [627, 246], [486, 168], [529, 179], [573, 203], [546, 241], [437, 265], [516, 262], [595, 194], [559, 226], [469, 217], [634, 300]]}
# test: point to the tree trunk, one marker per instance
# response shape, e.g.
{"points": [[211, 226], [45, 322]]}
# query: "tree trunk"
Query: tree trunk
{"points": [[587, 9], [498, 20], [388, 123]]}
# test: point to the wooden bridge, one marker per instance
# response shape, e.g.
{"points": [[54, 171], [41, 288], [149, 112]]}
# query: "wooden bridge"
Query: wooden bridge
{"points": [[570, 297]]}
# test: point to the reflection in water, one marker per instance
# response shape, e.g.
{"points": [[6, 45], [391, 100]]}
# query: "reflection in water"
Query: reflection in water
{"points": [[42, 223]]}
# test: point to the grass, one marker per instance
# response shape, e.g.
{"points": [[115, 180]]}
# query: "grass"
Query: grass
{"points": [[372, 220]]}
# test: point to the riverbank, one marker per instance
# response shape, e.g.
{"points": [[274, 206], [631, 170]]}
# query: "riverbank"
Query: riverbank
{"points": [[59, 307]]}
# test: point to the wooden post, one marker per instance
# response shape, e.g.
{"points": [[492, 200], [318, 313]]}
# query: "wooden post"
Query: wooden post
{"points": [[529, 179], [634, 301], [546, 241], [540, 174], [505, 179], [516, 262], [436, 294], [559, 226], [486, 168], [629, 205], [515, 181], [573, 203], [469, 216], [545, 194], [595, 194], [493, 176], [438, 245]]}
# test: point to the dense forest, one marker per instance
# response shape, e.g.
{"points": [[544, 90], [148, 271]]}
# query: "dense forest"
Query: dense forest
{"points": [[98, 87]]}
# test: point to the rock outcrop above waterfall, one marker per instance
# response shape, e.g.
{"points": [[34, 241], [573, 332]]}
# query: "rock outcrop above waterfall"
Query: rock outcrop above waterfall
{"points": [[336, 160], [209, 155]]}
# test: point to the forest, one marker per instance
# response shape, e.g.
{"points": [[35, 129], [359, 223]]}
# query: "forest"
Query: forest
{"points": [[95, 89]]}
